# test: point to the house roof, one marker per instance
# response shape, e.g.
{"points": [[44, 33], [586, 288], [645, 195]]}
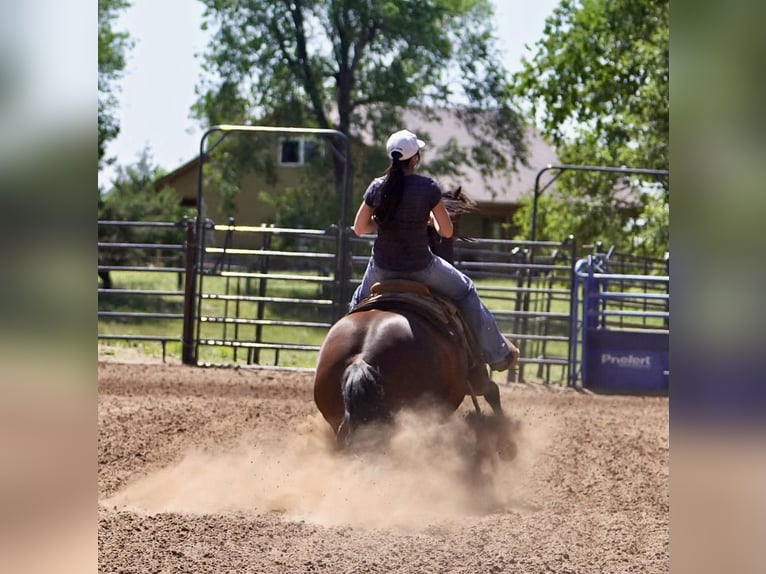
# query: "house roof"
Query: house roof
{"points": [[501, 188], [169, 178]]}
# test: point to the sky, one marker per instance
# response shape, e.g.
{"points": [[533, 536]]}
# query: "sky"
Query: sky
{"points": [[157, 89]]}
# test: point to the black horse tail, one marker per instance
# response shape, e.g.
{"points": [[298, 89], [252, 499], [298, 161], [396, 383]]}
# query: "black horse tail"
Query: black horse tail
{"points": [[362, 399]]}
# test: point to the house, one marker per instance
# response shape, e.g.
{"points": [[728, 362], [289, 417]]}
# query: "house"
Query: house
{"points": [[498, 197], [291, 153]]}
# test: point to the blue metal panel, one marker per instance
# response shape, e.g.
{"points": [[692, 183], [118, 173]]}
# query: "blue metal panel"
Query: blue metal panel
{"points": [[617, 358], [626, 361]]}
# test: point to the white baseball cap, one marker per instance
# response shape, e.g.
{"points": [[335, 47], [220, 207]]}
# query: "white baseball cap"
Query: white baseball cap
{"points": [[404, 142]]}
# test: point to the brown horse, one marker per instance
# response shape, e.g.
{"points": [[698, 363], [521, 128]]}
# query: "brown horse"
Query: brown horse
{"points": [[376, 362]]}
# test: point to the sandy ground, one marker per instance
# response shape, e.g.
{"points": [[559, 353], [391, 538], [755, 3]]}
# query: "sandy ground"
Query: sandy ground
{"points": [[222, 470]]}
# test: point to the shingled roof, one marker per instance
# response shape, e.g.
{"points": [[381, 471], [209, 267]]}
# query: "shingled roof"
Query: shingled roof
{"points": [[503, 188]]}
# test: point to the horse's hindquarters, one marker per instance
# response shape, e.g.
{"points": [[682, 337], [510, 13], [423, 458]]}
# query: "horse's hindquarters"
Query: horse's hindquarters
{"points": [[395, 360]]}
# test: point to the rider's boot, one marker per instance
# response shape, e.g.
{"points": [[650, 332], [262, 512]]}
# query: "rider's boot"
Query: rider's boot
{"points": [[509, 360]]}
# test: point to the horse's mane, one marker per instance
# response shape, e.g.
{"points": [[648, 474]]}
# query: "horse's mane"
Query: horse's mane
{"points": [[458, 202]]}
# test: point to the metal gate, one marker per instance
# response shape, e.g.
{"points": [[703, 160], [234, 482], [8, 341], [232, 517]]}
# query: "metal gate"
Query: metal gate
{"points": [[271, 305], [303, 271], [621, 327]]}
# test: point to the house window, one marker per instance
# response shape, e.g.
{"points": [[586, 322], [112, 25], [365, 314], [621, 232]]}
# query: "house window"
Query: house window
{"points": [[297, 151]]}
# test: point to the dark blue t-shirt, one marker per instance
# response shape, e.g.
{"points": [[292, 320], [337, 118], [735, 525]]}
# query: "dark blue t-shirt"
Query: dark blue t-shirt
{"points": [[402, 244]]}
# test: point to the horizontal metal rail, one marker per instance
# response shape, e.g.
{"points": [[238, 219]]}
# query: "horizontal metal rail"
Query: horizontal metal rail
{"points": [[647, 314], [140, 292], [139, 337], [266, 322], [148, 338], [254, 367], [314, 233], [542, 361], [463, 262], [253, 298], [633, 278], [639, 329], [247, 275], [139, 315], [167, 246], [519, 336], [629, 296], [478, 241], [263, 252], [139, 268], [548, 314], [494, 265], [538, 290], [162, 224], [250, 345]]}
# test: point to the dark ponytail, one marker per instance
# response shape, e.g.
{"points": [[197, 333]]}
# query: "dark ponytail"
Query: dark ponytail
{"points": [[391, 191]]}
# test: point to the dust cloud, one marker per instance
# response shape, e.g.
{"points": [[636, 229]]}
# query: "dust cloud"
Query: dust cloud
{"points": [[427, 471]]}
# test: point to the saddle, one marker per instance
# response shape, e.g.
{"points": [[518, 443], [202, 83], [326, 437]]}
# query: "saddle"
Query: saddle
{"points": [[440, 311]]}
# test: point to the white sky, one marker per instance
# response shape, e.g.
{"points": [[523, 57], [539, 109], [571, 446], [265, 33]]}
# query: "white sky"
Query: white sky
{"points": [[162, 71]]}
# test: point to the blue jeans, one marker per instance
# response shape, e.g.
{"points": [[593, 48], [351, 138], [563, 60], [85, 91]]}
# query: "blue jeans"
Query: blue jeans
{"points": [[443, 278]]}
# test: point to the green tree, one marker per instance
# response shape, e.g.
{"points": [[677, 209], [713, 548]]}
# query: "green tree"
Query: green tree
{"points": [[598, 84], [353, 65], [112, 47], [135, 196]]}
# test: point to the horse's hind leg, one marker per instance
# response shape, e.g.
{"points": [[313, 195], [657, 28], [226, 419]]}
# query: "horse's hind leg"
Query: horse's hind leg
{"points": [[487, 388], [492, 396], [506, 446], [499, 423]]}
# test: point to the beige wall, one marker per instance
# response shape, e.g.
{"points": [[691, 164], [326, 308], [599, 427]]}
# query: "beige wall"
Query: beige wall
{"points": [[253, 210], [251, 207]]}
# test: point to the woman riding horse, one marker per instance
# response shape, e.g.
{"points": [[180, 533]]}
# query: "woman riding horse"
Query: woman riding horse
{"points": [[399, 206], [374, 362]]}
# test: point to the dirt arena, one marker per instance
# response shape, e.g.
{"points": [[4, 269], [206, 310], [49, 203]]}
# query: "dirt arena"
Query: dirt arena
{"points": [[219, 470]]}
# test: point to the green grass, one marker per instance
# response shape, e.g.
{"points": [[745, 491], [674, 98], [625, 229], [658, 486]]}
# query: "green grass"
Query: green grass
{"points": [[215, 308]]}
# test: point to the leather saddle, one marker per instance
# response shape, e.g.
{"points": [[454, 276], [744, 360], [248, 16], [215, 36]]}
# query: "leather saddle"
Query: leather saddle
{"points": [[440, 311]]}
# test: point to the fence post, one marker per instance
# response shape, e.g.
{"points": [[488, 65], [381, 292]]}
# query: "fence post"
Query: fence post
{"points": [[189, 354], [529, 259], [343, 272], [573, 287], [255, 356]]}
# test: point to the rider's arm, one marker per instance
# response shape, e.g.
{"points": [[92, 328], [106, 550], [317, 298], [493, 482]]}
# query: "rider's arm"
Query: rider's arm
{"points": [[363, 222], [442, 222]]}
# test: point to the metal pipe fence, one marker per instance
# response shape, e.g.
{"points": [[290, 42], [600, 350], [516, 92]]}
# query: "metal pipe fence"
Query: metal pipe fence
{"points": [[266, 296], [141, 274], [269, 305], [527, 287]]}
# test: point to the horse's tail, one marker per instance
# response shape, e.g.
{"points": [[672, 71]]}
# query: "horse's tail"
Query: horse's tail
{"points": [[362, 399]]}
